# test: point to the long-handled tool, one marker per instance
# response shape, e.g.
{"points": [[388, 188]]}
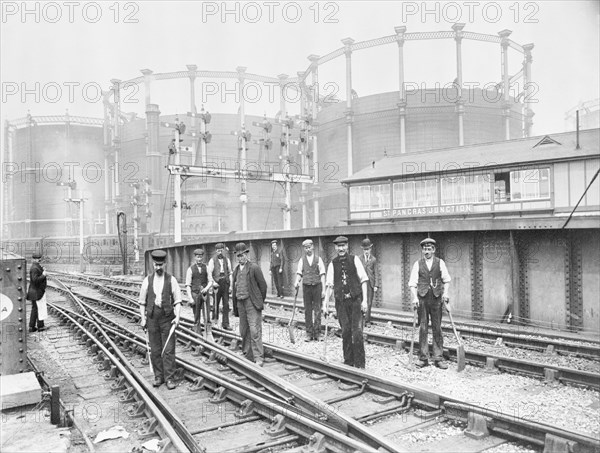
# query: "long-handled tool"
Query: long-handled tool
{"points": [[290, 326], [324, 357], [412, 340], [460, 351], [208, 336], [173, 327], [149, 351]]}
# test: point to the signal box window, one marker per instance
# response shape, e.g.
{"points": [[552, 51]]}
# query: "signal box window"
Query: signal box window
{"points": [[519, 185], [415, 193]]}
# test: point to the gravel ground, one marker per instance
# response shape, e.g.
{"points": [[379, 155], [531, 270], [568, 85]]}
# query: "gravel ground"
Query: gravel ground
{"points": [[567, 407]]}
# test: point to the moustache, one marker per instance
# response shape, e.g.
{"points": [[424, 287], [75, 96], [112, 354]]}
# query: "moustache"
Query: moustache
{"points": [[159, 271]]}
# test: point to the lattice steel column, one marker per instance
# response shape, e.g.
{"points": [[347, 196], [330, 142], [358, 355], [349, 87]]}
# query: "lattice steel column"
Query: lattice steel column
{"points": [[314, 67], [406, 267], [528, 88], [349, 114], [504, 34], [460, 104], [522, 248], [573, 282], [476, 262]]}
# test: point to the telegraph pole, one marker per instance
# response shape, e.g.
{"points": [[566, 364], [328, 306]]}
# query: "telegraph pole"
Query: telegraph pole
{"points": [[71, 185], [175, 148]]}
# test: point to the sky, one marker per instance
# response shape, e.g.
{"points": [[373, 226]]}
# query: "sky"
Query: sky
{"points": [[55, 55]]}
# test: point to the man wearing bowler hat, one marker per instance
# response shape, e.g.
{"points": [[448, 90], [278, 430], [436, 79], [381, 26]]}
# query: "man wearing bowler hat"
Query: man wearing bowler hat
{"points": [[219, 275], [311, 271], [347, 279], [249, 293], [197, 286], [429, 282], [369, 262], [36, 290], [160, 306]]}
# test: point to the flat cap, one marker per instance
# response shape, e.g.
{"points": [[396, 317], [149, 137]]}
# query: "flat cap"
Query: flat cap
{"points": [[307, 242], [219, 245], [241, 248], [366, 243], [340, 240], [36, 256], [159, 256], [427, 241], [274, 241], [199, 252]]}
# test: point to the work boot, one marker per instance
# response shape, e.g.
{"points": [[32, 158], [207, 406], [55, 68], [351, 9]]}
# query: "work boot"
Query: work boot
{"points": [[441, 365], [157, 382], [421, 363], [171, 385]]}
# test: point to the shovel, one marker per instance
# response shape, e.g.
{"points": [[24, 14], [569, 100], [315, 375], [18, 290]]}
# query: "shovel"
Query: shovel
{"points": [[412, 341], [324, 357], [460, 351], [173, 327], [290, 326]]}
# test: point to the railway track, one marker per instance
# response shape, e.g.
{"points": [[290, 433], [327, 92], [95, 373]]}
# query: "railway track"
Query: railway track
{"points": [[391, 410], [493, 362]]}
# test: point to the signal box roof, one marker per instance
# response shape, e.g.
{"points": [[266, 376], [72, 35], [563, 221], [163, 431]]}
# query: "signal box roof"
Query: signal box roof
{"points": [[483, 156]]}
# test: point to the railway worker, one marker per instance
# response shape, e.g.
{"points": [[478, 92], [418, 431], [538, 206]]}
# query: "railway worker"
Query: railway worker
{"points": [[36, 291], [311, 271], [220, 274], [347, 279], [429, 282], [160, 306], [197, 285], [276, 267], [369, 263], [249, 293]]}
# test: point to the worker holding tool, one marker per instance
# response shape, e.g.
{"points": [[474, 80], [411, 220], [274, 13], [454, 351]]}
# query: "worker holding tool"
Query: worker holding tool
{"points": [[429, 282], [160, 306], [311, 271], [197, 286]]}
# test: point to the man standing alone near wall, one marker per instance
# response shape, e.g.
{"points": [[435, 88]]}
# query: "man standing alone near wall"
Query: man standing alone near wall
{"points": [[369, 262], [219, 275], [276, 268]]}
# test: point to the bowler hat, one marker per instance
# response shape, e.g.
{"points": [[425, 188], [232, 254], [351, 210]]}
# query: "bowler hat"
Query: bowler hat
{"points": [[219, 245], [36, 256], [199, 252], [366, 243], [427, 241], [240, 248], [158, 256], [340, 240], [307, 242]]}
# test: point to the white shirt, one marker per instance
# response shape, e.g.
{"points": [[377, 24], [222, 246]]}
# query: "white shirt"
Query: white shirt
{"points": [[210, 267], [360, 270], [158, 284], [310, 260], [414, 273]]}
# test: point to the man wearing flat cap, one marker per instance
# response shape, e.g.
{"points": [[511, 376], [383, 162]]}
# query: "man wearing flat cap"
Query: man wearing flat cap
{"points": [[36, 291], [249, 293], [276, 268], [160, 306], [369, 262], [219, 276], [197, 286], [429, 282], [311, 270], [347, 280]]}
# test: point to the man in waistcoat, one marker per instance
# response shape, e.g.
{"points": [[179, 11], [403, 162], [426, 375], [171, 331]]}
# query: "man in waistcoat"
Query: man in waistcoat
{"points": [[276, 268], [160, 306], [36, 290], [429, 282], [197, 286], [219, 275], [311, 271], [369, 263], [249, 293], [347, 279]]}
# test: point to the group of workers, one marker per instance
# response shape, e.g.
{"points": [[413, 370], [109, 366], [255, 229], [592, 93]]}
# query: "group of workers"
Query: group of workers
{"points": [[353, 280]]}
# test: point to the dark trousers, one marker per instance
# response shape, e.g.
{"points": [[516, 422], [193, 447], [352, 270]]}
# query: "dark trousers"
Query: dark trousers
{"points": [[312, 309], [159, 326], [198, 306], [278, 280], [222, 295], [370, 295], [430, 307], [351, 322], [251, 330], [33, 319]]}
